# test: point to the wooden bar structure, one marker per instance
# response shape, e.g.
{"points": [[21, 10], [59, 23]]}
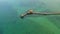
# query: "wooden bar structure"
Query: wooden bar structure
{"points": [[30, 12]]}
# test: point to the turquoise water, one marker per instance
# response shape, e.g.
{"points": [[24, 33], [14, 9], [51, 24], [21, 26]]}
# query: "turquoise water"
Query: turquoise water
{"points": [[11, 23]]}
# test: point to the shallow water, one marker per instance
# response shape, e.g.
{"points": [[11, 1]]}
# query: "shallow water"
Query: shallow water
{"points": [[11, 23]]}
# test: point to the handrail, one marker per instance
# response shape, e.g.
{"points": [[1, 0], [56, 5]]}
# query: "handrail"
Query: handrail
{"points": [[39, 13]]}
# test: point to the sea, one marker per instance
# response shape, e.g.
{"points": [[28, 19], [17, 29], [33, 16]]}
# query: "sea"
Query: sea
{"points": [[11, 11]]}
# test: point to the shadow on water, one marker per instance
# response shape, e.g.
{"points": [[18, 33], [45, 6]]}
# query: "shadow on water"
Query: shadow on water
{"points": [[29, 26], [1, 32], [55, 19], [1, 29]]}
